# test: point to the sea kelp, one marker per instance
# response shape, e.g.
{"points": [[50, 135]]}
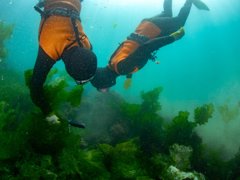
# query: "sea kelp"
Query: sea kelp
{"points": [[181, 129], [5, 33], [122, 160], [8, 135], [13, 91], [235, 164], [137, 143], [57, 90], [203, 113], [229, 113], [144, 120]]}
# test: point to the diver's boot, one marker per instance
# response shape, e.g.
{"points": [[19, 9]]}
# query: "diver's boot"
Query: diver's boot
{"points": [[200, 5]]}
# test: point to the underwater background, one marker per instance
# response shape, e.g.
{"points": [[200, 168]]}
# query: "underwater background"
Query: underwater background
{"points": [[202, 68]]}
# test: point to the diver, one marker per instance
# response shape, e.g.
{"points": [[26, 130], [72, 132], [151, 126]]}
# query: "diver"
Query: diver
{"points": [[141, 46], [61, 36]]}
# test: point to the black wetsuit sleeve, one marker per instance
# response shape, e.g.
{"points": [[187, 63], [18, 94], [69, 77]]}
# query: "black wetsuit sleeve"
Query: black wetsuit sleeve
{"points": [[139, 58], [41, 69], [156, 43]]}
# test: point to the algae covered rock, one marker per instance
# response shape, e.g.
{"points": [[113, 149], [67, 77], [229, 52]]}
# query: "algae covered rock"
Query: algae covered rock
{"points": [[181, 156], [174, 173]]}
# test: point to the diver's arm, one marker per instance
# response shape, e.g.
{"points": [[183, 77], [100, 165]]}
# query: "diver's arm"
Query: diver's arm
{"points": [[41, 69], [156, 43]]}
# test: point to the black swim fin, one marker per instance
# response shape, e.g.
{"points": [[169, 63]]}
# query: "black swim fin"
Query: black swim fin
{"points": [[201, 5], [77, 124]]}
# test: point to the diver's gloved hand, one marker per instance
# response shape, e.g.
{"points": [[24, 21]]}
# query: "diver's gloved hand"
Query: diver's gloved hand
{"points": [[178, 34], [53, 118]]}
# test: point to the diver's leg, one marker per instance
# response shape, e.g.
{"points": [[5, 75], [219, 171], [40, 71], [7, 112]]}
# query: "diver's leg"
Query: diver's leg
{"points": [[201, 5], [184, 12], [167, 9], [169, 25], [41, 69]]}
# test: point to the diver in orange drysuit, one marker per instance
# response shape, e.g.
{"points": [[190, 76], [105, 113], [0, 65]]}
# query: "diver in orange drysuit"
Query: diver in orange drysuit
{"points": [[61, 36], [149, 36]]}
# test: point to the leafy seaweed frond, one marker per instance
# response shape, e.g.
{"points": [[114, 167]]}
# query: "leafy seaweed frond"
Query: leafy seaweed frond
{"points": [[203, 113]]}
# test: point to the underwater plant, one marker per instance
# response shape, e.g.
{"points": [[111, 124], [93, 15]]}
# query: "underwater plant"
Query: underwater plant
{"points": [[181, 130], [57, 89], [180, 156], [122, 160], [203, 113], [5, 33], [135, 144], [234, 167], [13, 91], [145, 122], [228, 112]]}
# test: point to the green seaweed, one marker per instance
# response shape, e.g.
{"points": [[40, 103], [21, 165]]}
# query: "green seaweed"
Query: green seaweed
{"points": [[145, 121], [180, 156], [150, 104], [180, 130], [203, 113], [13, 91], [235, 164], [27, 76], [74, 96], [122, 160], [228, 112], [45, 138], [137, 143], [5, 33], [57, 90]]}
